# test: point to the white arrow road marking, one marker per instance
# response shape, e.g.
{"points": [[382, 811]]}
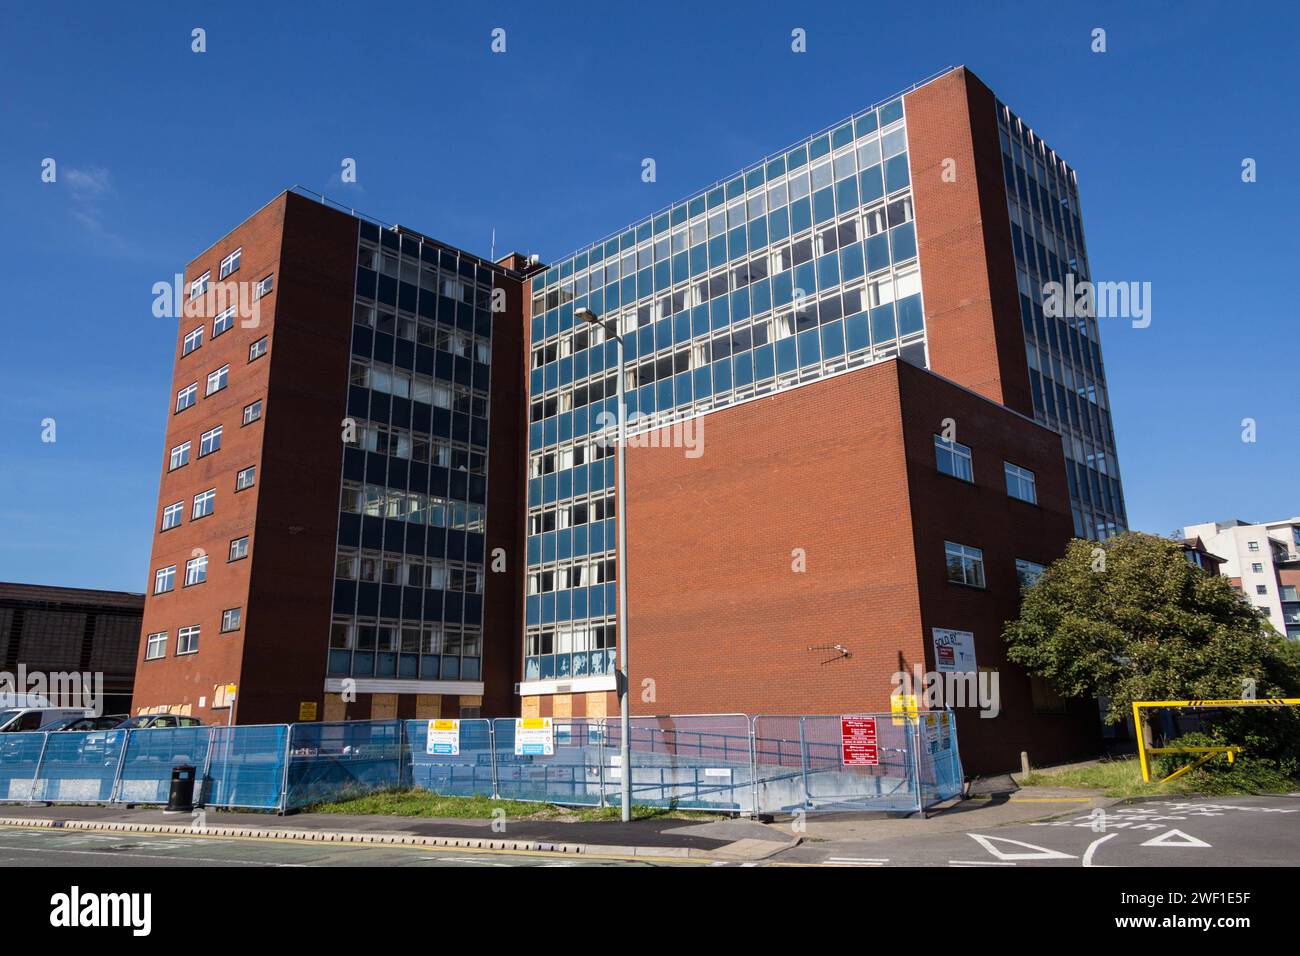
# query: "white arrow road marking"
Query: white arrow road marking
{"points": [[1092, 848], [1039, 852], [1175, 838]]}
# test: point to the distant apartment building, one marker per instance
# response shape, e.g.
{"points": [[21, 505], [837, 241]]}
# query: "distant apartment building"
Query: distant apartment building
{"points": [[1263, 561], [897, 438], [56, 630]]}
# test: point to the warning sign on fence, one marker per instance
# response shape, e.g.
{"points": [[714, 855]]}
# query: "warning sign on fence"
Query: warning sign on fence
{"points": [[444, 738], [858, 741], [534, 736]]}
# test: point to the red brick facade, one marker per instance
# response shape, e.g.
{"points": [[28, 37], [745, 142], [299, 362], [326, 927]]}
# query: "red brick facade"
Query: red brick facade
{"points": [[839, 478]]}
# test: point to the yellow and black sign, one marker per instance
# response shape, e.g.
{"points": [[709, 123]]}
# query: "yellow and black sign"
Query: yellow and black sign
{"points": [[307, 710]]}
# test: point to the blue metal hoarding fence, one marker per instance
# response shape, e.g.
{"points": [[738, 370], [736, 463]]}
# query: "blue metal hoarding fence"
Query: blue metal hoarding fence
{"points": [[471, 772], [690, 761], [20, 759], [570, 775], [334, 761], [145, 772], [246, 766], [80, 766], [721, 762]]}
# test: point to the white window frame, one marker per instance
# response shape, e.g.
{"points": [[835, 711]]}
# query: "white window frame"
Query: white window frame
{"points": [[230, 550], [210, 441], [167, 574], [196, 571], [230, 263], [970, 558], [957, 452], [255, 353], [187, 640], [200, 285], [1019, 479], [263, 286], [179, 457], [193, 340], [224, 322], [241, 483], [222, 376], [187, 397], [209, 499], [238, 613], [155, 646], [172, 515], [257, 405]]}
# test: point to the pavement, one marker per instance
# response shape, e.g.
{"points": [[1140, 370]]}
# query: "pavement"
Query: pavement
{"points": [[1033, 826]]}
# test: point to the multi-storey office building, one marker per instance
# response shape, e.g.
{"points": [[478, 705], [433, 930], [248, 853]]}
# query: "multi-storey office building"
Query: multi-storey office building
{"points": [[861, 305], [1263, 561], [322, 536], [919, 232]]}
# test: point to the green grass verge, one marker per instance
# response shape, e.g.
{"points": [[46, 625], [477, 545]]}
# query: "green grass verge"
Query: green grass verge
{"points": [[1123, 778], [422, 803]]}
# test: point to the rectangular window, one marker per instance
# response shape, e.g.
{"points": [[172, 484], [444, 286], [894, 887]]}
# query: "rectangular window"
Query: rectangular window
{"points": [[252, 412], [180, 456], [164, 580], [155, 646], [257, 349], [1261, 588], [223, 322], [1020, 483], [230, 619], [210, 441], [187, 396], [196, 570], [1252, 546], [230, 263], [204, 503], [1257, 567], [192, 341], [953, 458], [965, 564], [200, 285], [218, 379], [245, 478], [172, 515], [263, 287], [238, 549], [187, 640], [1028, 572]]}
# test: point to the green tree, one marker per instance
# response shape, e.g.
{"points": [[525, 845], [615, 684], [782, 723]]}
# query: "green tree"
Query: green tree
{"points": [[1131, 619]]}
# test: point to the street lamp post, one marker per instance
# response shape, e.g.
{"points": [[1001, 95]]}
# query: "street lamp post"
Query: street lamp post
{"points": [[620, 508]]}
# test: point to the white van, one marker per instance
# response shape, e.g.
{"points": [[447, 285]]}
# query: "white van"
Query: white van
{"points": [[19, 719]]}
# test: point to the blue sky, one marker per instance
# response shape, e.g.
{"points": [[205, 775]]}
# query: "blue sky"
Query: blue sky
{"points": [[161, 150]]}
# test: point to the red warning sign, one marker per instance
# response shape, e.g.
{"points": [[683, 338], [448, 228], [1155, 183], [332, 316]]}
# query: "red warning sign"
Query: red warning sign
{"points": [[858, 739]]}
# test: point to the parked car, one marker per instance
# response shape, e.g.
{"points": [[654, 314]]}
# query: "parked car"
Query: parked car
{"points": [[151, 721], [19, 719], [107, 722]]}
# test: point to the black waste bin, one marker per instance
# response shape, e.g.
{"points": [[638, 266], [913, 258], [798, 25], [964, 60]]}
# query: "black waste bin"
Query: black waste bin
{"points": [[181, 798]]}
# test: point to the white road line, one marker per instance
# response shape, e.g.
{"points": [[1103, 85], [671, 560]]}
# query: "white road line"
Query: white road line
{"points": [[979, 863], [101, 855], [857, 861], [1092, 848]]}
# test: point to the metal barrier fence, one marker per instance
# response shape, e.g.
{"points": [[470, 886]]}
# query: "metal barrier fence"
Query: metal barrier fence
{"points": [[720, 762], [235, 766]]}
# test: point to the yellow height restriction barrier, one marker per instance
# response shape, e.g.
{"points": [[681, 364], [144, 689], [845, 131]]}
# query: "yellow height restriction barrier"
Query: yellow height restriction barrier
{"points": [[1207, 753]]}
